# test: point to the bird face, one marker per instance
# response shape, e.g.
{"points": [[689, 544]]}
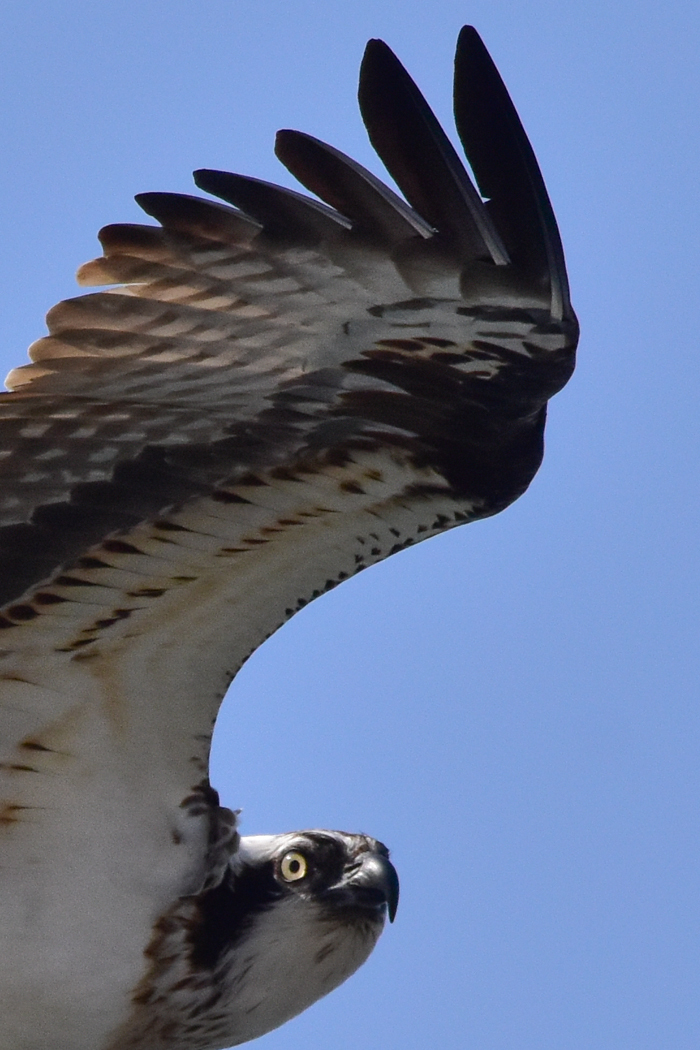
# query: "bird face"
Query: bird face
{"points": [[349, 876], [295, 916]]}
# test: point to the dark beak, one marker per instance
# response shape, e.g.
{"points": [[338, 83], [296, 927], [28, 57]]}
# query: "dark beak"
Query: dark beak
{"points": [[377, 876]]}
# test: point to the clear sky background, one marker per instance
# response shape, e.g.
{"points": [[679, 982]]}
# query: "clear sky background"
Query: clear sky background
{"points": [[513, 707]]}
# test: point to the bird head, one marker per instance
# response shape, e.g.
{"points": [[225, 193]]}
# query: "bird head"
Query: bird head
{"points": [[294, 917]]}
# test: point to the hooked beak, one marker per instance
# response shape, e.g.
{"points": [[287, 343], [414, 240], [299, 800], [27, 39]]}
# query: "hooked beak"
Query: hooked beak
{"points": [[376, 879]]}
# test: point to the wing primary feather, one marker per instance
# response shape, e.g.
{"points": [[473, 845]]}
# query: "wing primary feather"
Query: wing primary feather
{"points": [[193, 215], [144, 242], [506, 169], [283, 213], [375, 210], [415, 150]]}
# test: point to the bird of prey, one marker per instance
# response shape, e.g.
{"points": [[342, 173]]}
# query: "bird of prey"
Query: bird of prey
{"points": [[277, 392]]}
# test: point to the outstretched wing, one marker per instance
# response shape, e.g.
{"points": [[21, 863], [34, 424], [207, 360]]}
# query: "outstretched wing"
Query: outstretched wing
{"points": [[274, 396]]}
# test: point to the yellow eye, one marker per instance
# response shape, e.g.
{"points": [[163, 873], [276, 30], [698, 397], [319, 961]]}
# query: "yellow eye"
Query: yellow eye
{"points": [[293, 866]]}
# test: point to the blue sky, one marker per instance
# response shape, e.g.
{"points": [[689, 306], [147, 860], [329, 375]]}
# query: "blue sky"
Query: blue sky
{"points": [[512, 707]]}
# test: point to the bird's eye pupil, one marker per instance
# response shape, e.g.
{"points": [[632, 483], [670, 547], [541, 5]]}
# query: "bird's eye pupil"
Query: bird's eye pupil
{"points": [[294, 866]]}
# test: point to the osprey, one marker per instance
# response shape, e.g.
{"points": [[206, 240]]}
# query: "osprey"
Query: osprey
{"points": [[277, 393]]}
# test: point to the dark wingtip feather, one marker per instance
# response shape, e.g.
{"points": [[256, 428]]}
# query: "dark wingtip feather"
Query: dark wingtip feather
{"points": [[193, 215], [506, 169], [283, 213], [408, 138], [374, 209]]}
